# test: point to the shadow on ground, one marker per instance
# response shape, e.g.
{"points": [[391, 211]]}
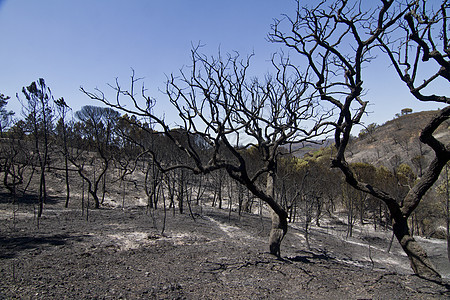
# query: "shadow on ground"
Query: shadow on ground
{"points": [[12, 246], [310, 258], [27, 199]]}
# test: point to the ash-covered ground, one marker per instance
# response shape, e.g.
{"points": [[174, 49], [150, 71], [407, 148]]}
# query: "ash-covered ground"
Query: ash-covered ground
{"points": [[116, 253]]}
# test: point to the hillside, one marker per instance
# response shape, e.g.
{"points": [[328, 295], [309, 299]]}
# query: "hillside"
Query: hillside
{"points": [[396, 142]]}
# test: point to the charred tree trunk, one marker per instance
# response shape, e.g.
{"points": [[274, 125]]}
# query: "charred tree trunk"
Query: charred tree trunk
{"points": [[146, 188], [92, 186], [279, 220], [420, 263], [277, 233], [447, 211], [42, 192], [180, 192], [66, 163], [65, 153], [219, 192], [308, 246], [96, 199], [319, 204]]}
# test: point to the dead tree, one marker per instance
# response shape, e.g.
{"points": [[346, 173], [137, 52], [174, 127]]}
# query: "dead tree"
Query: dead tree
{"points": [[8, 148], [222, 113], [98, 126], [423, 42], [61, 130], [38, 113], [338, 39], [6, 117]]}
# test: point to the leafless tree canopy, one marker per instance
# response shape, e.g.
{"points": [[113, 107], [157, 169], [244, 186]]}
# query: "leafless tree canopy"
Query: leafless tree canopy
{"points": [[338, 39], [223, 113]]}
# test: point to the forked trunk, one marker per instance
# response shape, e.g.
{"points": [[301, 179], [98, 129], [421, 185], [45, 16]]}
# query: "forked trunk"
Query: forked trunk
{"points": [[420, 263], [96, 199]]}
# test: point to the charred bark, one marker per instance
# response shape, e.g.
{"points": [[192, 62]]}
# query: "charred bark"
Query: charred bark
{"points": [[279, 220], [419, 260]]}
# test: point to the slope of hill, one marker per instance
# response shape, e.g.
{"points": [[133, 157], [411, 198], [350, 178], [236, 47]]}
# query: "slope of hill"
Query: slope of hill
{"points": [[396, 142]]}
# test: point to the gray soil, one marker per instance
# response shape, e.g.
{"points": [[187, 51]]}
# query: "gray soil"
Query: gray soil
{"points": [[121, 254]]}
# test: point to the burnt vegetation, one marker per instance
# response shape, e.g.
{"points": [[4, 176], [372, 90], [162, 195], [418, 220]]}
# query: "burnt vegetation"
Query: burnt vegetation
{"points": [[239, 147]]}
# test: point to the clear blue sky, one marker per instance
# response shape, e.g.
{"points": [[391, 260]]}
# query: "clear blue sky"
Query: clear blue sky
{"points": [[91, 42]]}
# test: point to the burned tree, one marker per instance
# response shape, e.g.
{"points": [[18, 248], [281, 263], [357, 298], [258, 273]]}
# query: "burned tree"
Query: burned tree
{"points": [[97, 128], [6, 117], [38, 113], [61, 132], [222, 112], [8, 149], [338, 39], [423, 43]]}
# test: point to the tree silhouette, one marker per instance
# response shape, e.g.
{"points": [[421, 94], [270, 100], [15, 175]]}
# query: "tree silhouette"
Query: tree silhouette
{"points": [[38, 112], [338, 39], [222, 112]]}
